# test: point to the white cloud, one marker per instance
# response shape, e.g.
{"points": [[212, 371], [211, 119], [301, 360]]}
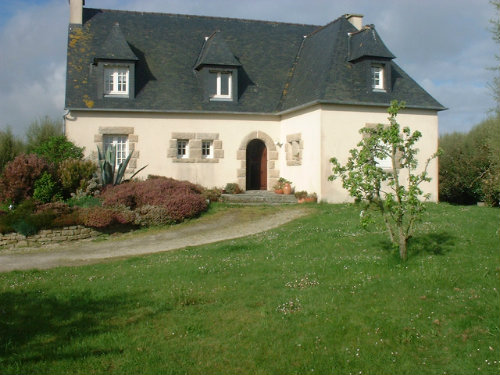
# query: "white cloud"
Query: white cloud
{"points": [[32, 73]]}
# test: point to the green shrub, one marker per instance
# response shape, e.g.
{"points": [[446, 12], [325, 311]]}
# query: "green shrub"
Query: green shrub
{"points": [[19, 176], [232, 188], [58, 148], [46, 189], [470, 164], [84, 201], [75, 175], [213, 195]]}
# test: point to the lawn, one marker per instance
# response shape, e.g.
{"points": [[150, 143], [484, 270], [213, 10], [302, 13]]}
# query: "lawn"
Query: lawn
{"points": [[319, 295]]}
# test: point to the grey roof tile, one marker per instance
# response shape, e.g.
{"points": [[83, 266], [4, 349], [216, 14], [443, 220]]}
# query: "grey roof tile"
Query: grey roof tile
{"points": [[278, 68]]}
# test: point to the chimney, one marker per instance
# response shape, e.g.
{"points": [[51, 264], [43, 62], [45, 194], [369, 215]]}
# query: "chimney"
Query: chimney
{"points": [[356, 20], [76, 11]]}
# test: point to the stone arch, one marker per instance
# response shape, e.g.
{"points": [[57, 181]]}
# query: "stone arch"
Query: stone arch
{"points": [[272, 159]]}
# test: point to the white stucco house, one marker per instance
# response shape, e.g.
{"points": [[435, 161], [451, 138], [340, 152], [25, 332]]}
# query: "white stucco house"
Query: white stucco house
{"points": [[217, 100]]}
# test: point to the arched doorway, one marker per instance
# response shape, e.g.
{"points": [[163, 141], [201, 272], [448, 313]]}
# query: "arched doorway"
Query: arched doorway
{"points": [[256, 165]]}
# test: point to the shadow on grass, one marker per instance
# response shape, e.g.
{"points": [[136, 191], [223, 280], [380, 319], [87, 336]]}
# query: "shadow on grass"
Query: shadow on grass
{"points": [[429, 243], [37, 327]]}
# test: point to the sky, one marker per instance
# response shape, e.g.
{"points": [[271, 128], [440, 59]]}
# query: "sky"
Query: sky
{"points": [[444, 45]]}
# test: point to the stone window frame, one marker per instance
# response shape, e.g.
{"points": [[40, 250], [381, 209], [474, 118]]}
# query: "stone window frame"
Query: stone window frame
{"points": [[133, 139], [294, 149], [195, 150], [273, 172]]}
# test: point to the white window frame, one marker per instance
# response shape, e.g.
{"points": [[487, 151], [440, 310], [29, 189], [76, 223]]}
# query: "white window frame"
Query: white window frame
{"points": [[207, 149], [377, 77], [120, 141], [218, 94], [182, 148], [116, 80]]}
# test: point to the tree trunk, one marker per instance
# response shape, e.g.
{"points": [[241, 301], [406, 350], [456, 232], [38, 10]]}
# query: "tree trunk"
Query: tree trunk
{"points": [[403, 241]]}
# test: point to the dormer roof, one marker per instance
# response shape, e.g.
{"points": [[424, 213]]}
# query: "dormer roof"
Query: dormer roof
{"points": [[367, 43], [215, 51], [115, 47]]}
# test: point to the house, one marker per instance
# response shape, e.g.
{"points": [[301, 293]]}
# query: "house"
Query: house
{"points": [[217, 100]]}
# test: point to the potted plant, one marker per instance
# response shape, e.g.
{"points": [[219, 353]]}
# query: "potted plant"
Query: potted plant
{"points": [[311, 197], [301, 196], [281, 185]]}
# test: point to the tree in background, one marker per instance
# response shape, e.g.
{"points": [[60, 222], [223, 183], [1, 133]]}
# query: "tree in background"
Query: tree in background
{"points": [[469, 169], [495, 30], [10, 147], [400, 202], [41, 130]]}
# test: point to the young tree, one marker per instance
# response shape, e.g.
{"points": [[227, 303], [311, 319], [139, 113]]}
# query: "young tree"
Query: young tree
{"points": [[399, 202]]}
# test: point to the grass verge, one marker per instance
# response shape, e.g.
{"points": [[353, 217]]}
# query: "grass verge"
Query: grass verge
{"points": [[318, 295]]}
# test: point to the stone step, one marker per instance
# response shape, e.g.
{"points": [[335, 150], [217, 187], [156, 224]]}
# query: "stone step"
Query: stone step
{"points": [[259, 197]]}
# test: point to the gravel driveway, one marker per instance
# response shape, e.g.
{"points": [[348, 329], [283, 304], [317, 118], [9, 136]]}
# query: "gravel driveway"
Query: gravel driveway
{"points": [[229, 224]]}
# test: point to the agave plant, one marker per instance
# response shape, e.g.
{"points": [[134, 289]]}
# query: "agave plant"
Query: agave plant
{"points": [[107, 164]]}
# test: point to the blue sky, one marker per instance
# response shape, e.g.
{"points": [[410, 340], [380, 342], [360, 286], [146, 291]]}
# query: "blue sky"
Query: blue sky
{"points": [[444, 45]]}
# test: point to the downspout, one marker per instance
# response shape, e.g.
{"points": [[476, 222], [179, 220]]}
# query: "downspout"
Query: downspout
{"points": [[64, 121]]}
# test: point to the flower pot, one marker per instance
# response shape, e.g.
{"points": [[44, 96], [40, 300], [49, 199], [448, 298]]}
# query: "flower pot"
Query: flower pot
{"points": [[311, 199], [301, 200], [287, 189], [278, 191]]}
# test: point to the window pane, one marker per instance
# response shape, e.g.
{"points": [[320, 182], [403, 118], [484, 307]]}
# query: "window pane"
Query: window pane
{"points": [[206, 148], [182, 148], [224, 85]]}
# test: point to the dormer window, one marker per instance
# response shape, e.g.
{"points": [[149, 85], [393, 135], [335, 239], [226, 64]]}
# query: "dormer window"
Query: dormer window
{"points": [[116, 80], [377, 75], [223, 87]]}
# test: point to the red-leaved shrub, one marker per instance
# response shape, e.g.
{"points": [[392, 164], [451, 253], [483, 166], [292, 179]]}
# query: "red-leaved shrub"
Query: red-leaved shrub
{"points": [[181, 199], [102, 217], [19, 177]]}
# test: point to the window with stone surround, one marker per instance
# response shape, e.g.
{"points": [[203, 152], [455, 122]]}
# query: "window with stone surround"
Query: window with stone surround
{"points": [[124, 139], [293, 149], [200, 147], [120, 143]]}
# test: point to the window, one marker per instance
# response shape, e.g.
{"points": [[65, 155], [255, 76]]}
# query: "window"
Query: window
{"points": [[120, 142], [378, 77], [223, 85], [116, 80], [182, 148], [207, 149]]}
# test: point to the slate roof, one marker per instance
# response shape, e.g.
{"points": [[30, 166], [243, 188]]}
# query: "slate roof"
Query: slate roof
{"points": [[281, 65], [215, 51]]}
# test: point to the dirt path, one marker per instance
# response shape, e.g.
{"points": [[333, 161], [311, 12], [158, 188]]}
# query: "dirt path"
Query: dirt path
{"points": [[232, 223]]}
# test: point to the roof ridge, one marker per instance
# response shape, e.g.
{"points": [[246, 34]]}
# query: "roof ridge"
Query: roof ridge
{"points": [[205, 17]]}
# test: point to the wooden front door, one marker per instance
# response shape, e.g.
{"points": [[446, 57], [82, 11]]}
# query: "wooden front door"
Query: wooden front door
{"points": [[256, 165]]}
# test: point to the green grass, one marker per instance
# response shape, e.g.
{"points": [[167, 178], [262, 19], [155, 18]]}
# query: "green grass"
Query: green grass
{"points": [[319, 295]]}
